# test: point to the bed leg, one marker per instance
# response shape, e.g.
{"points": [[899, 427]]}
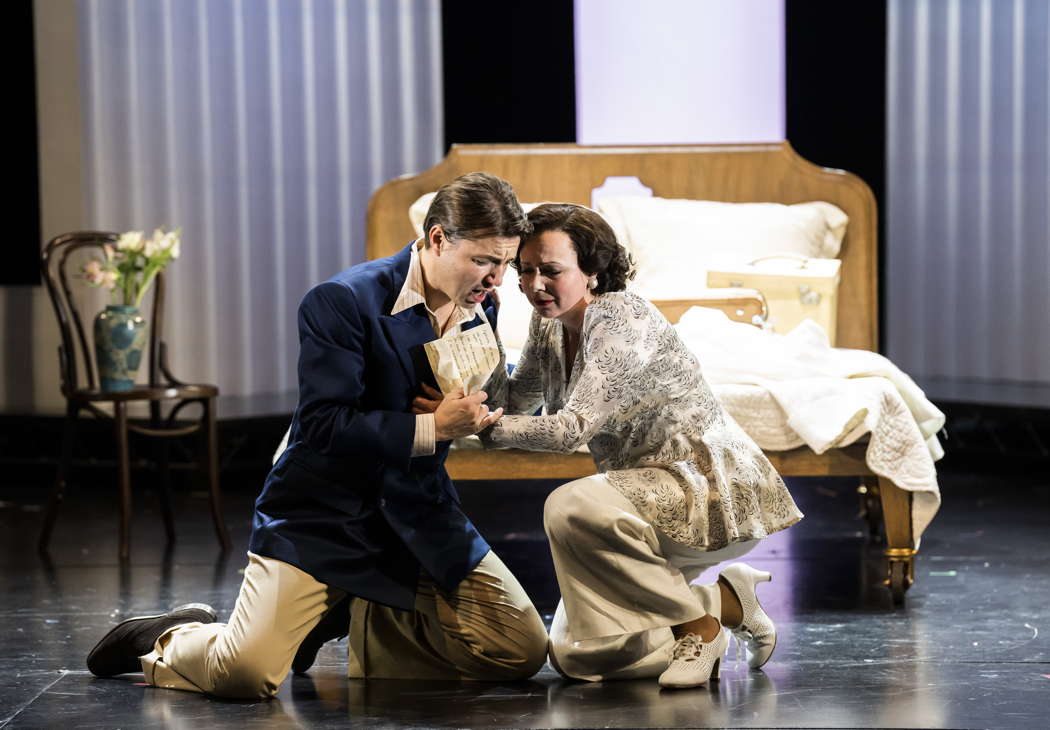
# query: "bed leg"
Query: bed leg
{"points": [[900, 546]]}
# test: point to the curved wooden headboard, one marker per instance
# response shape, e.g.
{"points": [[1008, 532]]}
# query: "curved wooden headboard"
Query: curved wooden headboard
{"points": [[732, 173]]}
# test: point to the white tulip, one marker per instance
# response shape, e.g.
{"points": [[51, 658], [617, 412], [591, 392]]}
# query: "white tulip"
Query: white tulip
{"points": [[172, 244], [130, 241]]}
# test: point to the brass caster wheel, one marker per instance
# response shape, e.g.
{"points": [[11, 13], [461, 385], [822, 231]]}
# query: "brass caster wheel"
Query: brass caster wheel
{"points": [[900, 572]]}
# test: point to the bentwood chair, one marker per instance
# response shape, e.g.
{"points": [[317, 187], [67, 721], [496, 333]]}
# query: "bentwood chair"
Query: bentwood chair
{"points": [[80, 387]]}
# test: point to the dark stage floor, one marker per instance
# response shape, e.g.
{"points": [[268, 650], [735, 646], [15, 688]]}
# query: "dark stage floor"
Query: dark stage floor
{"points": [[970, 649]]}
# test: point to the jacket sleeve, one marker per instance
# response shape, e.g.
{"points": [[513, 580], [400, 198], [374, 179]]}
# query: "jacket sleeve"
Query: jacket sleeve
{"points": [[332, 362]]}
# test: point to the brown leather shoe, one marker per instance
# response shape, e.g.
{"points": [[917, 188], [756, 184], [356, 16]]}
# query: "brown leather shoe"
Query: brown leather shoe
{"points": [[119, 650]]}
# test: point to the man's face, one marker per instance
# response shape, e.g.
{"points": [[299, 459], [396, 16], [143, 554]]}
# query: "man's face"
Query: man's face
{"points": [[468, 269]]}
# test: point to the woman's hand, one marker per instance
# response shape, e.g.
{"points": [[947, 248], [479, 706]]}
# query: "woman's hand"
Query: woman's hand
{"points": [[428, 402]]}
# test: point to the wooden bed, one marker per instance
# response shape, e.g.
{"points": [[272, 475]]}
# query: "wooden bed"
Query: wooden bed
{"points": [[732, 173]]}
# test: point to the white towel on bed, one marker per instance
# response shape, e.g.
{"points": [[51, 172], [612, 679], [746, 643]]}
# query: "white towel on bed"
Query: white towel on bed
{"points": [[803, 372]]}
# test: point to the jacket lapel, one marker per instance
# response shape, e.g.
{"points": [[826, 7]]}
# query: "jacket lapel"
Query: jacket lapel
{"points": [[408, 331]]}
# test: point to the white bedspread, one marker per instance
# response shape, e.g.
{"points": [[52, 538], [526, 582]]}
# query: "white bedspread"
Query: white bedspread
{"points": [[794, 389]]}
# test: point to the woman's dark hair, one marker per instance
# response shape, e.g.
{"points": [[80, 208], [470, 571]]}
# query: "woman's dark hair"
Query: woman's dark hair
{"points": [[477, 205], [597, 250]]}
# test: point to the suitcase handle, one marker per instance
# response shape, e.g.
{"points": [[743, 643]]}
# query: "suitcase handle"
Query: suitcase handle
{"points": [[803, 260]]}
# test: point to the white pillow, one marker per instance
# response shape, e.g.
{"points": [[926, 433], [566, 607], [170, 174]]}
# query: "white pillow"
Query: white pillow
{"points": [[673, 241], [417, 212]]}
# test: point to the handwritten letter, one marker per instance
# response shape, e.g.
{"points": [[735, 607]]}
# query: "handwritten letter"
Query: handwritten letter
{"points": [[464, 361]]}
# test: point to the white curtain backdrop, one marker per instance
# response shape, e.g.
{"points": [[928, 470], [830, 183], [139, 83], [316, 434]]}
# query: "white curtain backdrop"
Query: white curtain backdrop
{"points": [[260, 127], [968, 181]]}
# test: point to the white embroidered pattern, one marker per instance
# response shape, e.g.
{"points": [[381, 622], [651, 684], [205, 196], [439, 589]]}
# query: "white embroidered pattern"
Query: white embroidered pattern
{"points": [[637, 398]]}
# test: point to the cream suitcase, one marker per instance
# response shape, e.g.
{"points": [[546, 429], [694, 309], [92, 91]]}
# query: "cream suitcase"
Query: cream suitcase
{"points": [[795, 287]]}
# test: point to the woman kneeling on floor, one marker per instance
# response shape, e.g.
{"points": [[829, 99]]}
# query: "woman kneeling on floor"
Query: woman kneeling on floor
{"points": [[680, 487]]}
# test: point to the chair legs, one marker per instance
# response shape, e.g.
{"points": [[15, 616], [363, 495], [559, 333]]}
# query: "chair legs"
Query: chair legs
{"points": [[164, 469], [211, 452], [120, 424], [164, 462], [58, 492], [209, 463]]}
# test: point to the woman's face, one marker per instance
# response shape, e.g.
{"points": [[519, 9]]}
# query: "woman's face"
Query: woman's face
{"points": [[551, 277]]}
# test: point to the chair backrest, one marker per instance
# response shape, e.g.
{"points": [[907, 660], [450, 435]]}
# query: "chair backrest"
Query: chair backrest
{"points": [[56, 260]]}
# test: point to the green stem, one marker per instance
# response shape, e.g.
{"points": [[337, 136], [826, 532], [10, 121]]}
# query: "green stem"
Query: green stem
{"points": [[151, 272]]}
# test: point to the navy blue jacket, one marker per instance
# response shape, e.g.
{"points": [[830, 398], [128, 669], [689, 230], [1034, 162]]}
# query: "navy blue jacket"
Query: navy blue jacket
{"points": [[346, 502]]}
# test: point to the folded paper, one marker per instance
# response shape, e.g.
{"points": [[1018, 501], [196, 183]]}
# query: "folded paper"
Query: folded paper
{"points": [[464, 362]]}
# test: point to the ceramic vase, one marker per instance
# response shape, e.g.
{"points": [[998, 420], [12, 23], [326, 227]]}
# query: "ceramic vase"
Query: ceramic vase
{"points": [[120, 338]]}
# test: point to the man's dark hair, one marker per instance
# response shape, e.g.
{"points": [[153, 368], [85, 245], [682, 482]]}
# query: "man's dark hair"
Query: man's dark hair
{"points": [[597, 250], [476, 205]]}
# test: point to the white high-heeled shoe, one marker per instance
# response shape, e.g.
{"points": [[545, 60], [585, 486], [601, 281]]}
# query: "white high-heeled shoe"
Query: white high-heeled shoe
{"points": [[694, 662], [756, 630]]}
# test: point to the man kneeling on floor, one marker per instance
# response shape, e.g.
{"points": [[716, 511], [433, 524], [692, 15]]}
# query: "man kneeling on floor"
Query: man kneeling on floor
{"points": [[358, 515]]}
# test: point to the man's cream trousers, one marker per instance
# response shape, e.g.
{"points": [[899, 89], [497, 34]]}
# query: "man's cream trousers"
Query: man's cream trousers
{"points": [[624, 584], [486, 629]]}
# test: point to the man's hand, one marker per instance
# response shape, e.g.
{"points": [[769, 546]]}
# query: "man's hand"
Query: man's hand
{"points": [[428, 402], [461, 415]]}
